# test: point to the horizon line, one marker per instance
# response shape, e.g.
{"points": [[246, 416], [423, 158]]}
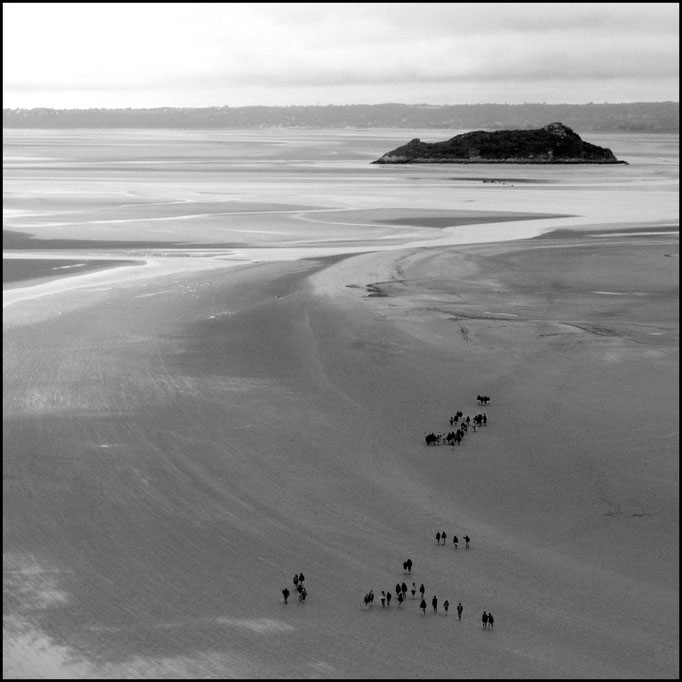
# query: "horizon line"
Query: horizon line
{"points": [[288, 106]]}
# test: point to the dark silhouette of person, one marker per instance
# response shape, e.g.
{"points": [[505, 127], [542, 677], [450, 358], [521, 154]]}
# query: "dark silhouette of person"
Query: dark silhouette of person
{"points": [[388, 598], [299, 588], [422, 590], [438, 538], [285, 593], [446, 605], [398, 589], [434, 603], [467, 540], [443, 536], [295, 579], [400, 598], [301, 577], [413, 589], [455, 540], [403, 588], [404, 566], [304, 594], [383, 599], [491, 620], [409, 565], [484, 619], [371, 597], [460, 608], [422, 606]]}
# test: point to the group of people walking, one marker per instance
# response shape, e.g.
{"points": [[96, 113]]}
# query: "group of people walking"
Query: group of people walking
{"points": [[446, 606], [455, 540], [298, 586], [488, 620], [401, 591], [401, 596], [462, 424]]}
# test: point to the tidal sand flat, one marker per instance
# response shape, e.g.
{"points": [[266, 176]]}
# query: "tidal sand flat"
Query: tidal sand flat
{"points": [[28, 271], [181, 438]]}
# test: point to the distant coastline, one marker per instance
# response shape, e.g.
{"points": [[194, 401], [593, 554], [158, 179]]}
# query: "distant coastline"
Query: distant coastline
{"points": [[636, 117]]}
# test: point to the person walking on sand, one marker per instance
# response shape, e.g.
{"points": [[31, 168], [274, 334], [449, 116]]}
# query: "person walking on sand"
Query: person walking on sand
{"points": [[413, 589], [442, 537], [467, 540], [422, 606], [301, 577], [422, 590], [434, 603], [388, 598], [446, 605], [409, 565], [491, 620], [400, 598], [304, 593], [295, 580], [460, 608], [455, 540], [403, 589], [438, 538], [285, 594], [383, 599], [398, 589], [484, 620]]}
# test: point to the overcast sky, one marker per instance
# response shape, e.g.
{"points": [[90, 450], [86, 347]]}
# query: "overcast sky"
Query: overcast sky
{"points": [[72, 55]]}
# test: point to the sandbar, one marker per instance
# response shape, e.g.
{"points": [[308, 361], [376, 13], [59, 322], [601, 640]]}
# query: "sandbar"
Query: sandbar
{"points": [[29, 271]]}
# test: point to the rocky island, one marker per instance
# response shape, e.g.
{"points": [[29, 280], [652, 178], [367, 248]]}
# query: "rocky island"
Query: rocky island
{"points": [[555, 143]]}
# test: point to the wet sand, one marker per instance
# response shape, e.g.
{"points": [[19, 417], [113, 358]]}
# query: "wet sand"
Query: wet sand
{"points": [[29, 272], [177, 446], [181, 437]]}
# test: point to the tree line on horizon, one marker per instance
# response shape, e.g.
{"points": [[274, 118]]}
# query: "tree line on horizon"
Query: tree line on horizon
{"points": [[606, 117]]}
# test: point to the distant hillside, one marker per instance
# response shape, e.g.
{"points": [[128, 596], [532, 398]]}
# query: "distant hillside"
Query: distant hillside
{"points": [[553, 144], [652, 117]]}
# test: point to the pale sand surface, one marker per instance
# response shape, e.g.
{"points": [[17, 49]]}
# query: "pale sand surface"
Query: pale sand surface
{"points": [[195, 466], [181, 437]]}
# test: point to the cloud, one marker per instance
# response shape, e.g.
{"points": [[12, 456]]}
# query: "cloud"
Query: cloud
{"points": [[184, 49]]}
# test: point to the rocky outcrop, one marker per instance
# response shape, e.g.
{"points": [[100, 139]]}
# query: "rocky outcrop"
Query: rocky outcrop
{"points": [[553, 144]]}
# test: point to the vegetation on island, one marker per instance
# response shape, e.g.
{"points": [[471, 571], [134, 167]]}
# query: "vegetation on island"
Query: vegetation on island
{"points": [[554, 143]]}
